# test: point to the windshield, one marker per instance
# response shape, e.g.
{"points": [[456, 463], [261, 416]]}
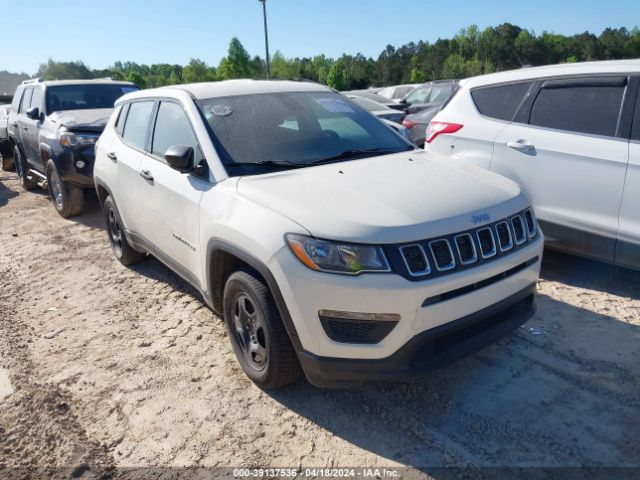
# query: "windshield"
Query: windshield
{"points": [[84, 96], [293, 129], [429, 94]]}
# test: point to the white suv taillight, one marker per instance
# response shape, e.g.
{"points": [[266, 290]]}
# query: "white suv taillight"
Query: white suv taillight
{"points": [[436, 128]]}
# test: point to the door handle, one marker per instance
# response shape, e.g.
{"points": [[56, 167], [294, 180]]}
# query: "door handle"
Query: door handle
{"points": [[15, 124], [146, 174], [25, 128], [521, 145], [112, 156]]}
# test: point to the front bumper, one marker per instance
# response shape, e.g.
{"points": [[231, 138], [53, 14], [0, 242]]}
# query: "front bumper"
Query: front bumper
{"points": [[429, 350], [66, 162]]}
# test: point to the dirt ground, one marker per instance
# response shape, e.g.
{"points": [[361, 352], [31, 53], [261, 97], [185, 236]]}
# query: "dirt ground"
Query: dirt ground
{"points": [[143, 374]]}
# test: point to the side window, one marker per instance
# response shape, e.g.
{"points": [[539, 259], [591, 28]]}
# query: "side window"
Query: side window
{"points": [[501, 101], [26, 100], [15, 104], [173, 128], [592, 109], [122, 116], [137, 123], [37, 98]]}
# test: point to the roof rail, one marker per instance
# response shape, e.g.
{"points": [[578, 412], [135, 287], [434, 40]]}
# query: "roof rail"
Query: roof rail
{"points": [[32, 80]]}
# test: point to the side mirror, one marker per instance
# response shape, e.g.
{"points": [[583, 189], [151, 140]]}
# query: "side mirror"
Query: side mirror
{"points": [[33, 113], [180, 158]]}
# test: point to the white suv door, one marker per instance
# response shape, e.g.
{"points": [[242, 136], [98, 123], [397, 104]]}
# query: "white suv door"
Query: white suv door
{"points": [[172, 198], [628, 246], [568, 155], [125, 153]]}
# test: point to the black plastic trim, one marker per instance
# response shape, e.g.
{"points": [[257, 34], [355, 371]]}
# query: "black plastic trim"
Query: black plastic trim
{"points": [[417, 356]]}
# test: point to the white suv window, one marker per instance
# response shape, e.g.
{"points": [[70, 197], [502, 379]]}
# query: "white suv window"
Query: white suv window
{"points": [[137, 124], [501, 101], [173, 128], [588, 108]]}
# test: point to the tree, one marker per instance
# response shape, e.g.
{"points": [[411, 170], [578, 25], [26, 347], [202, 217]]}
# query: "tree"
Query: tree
{"points": [[336, 79], [198, 71], [64, 70], [237, 63]]}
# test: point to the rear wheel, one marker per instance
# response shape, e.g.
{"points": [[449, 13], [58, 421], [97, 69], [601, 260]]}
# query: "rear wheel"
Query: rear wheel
{"points": [[6, 160], [124, 252], [257, 334], [21, 170], [67, 199]]}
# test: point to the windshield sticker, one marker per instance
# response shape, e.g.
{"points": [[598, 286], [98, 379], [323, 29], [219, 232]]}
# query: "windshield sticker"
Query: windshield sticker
{"points": [[221, 110], [334, 105]]}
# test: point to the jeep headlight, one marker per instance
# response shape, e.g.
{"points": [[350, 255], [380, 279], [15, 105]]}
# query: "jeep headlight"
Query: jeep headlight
{"points": [[337, 257], [69, 139]]}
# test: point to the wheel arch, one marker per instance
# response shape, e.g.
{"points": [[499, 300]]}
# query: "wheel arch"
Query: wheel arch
{"points": [[223, 259]]}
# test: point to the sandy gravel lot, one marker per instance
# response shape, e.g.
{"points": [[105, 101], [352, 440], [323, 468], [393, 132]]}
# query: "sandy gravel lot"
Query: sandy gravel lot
{"points": [[143, 374]]}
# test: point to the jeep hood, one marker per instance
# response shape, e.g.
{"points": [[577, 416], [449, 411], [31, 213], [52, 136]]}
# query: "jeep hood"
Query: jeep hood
{"points": [[393, 198], [92, 120]]}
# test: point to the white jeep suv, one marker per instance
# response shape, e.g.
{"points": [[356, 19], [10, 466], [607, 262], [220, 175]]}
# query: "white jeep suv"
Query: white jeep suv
{"points": [[570, 135], [328, 243]]}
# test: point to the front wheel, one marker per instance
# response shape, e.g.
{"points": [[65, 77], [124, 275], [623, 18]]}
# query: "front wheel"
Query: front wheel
{"points": [[6, 161], [124, 252], [68, 199], [257, 334]]}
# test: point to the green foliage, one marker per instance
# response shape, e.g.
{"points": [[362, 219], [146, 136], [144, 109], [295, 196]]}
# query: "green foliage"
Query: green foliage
{"points": [[470, 52], [336, 77]]}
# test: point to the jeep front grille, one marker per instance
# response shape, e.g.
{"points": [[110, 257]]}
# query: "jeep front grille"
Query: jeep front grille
{"points": [[451, 253]]}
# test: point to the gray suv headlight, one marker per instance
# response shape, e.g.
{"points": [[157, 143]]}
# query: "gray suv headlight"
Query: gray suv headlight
{"points": [[337, 257]]}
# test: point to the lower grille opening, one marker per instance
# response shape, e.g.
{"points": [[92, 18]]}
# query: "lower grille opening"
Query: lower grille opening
{"points": [[356, 331], [440, 346], [475, 286]]}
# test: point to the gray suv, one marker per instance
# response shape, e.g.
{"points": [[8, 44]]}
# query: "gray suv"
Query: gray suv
{"points": [[52, 129]]}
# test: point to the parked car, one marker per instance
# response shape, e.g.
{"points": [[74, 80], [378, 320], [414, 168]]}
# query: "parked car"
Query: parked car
{"points": [[429, 96], [377, 109], [398, 92], [416, 123], [372, 95], [328, 244], [570, 134], [53, 127], [6, 157]]}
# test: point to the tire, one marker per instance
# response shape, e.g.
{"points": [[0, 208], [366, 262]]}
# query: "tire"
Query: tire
{"points": [[68, 199], [258, 336], [21, 171], [6, 160], [124, 252]]}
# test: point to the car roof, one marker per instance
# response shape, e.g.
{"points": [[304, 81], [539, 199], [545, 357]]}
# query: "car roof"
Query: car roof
{"points": [[92, 81], [578, 68], [227, 88]]}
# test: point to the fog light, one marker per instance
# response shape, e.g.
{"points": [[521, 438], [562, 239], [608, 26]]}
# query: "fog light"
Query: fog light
{"points": [[356, 327], [80, 164]]}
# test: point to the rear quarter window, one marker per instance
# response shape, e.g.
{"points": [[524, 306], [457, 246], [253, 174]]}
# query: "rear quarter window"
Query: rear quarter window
{"points": [[500, 101]]}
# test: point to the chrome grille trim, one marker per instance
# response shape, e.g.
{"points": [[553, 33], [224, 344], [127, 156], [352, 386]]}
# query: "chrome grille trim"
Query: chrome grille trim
{"points": [[532, 229], [449, 266], [509, 245], [523, 224], [474, 259], [494, 250], [427, 271]]}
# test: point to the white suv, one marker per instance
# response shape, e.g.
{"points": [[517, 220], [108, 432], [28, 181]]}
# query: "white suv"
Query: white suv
{"points": [[327, 242], [570, 135]]}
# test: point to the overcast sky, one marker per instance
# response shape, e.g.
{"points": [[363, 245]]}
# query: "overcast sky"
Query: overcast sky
{"points": [[100, 32]]}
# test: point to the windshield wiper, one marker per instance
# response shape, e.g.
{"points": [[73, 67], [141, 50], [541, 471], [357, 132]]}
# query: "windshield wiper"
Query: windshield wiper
{"points": [[266, 163], [352, 153]]}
